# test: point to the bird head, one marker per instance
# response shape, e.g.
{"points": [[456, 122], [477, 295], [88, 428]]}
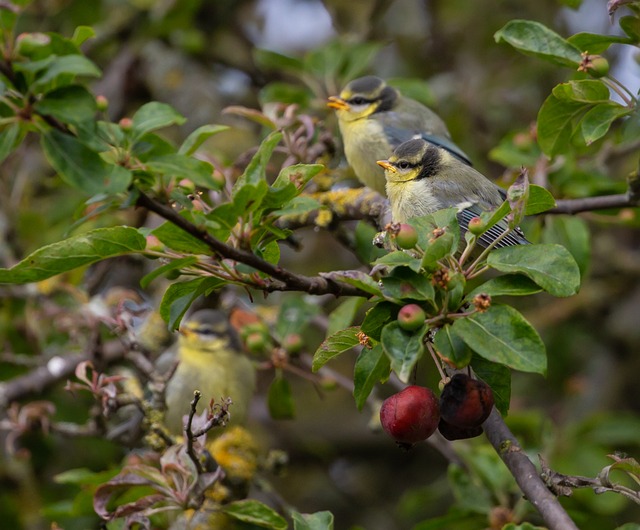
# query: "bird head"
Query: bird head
{"points": [[207, 329], [363, 97], [412, 160]]}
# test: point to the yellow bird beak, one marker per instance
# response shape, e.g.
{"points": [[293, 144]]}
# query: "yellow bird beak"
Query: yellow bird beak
{"points": [[384, 164], [337, 103]]}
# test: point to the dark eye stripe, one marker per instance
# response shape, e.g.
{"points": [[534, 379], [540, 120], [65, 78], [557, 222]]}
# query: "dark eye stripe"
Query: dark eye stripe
{"points": [[359, 100], [404, 164]]}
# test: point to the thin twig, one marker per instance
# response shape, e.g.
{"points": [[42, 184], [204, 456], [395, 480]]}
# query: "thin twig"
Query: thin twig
{"points": [[526, 474], [285, 280], [190, 436]]}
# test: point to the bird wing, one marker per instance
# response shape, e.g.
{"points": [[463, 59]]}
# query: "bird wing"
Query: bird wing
{"points": [[516, 237]]}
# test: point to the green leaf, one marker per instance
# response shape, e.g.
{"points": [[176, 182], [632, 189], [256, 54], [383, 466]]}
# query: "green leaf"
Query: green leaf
{"points": [[312, 521], [8, 140], [506, 285], [198, 137], [403, 348], [334, 345], [177, 239], [436, 248], [582, 91], [74, 252], [167, 267], [552, 267], [469, 492], [344, 314], [399, 258], [280, 399], [298, 206], [182, 166], [358, 279], [67, 65], [555, 124], [597, 121], [82, 34], [81, 167], [498, 377], [180, 295], [405, 284], [451, 346], [70, 104], [377, 317], [535, 39], [294, 316], [152, 116], [257, 169], [571, 232], [594, 43], [297, 174], [504, 336], [372, 365], [631, 26], [540, 200], [523, 526], [255, 513], [269, 60]]}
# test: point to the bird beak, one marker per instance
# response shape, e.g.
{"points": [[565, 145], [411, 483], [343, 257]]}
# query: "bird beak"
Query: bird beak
{"points": [[337, 103], [384, 164]]}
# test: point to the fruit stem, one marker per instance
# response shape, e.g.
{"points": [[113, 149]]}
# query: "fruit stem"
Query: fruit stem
{"points": [[436, 360]]}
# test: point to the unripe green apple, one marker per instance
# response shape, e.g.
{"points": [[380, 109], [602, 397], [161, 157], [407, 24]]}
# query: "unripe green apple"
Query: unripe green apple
{"points": [[411, 317]]}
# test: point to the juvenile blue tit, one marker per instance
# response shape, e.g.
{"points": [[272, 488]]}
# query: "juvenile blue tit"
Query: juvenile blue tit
{"points": [[374, 119], [423, 178], [211, 361]]}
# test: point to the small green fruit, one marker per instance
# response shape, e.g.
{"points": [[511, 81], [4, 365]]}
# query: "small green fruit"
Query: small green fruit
{"points": [[256, 342], [293, 343], [126, 124], [476, 226], [102, 103], [407, 237], [599, 67], [411, 317], [154, 244]]}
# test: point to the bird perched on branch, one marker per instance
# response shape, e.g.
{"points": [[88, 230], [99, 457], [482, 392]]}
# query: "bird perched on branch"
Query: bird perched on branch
{"points": [[423, 178], [211, 361], [374, 119]]}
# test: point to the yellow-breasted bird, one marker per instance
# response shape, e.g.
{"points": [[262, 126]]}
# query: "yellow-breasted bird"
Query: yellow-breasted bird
{"points": [[211, 361], [423, 178], [375, 118]]}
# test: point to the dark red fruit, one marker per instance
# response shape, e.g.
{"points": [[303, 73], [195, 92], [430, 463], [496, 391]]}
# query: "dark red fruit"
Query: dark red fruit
{"points": [[451, 432], [465, 402], [411, 415], [411, 317]]}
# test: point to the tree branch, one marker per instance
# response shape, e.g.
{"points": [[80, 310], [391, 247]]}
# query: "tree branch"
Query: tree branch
{"points": [[56, 369], [526, 474], [286, 280], [604, 202], [622, 200]]}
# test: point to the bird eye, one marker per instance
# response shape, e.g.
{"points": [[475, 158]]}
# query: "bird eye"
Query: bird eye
{"points": [[403, 164], [358, 100]]}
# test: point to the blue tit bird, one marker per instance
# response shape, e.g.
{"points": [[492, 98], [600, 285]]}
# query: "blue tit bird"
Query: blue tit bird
{"points": [[375, 118], [211, 361], [423, 178]]}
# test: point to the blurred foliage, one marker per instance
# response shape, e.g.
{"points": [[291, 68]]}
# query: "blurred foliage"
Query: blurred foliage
{"points": [[168, 70]]}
